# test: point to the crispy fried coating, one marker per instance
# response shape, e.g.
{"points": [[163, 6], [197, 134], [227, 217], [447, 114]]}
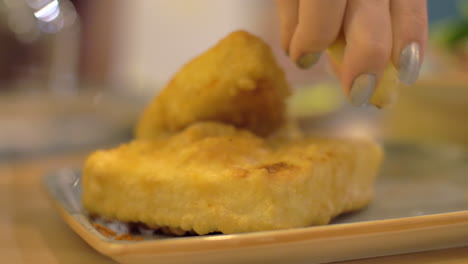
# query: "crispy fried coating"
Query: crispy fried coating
{"points": [[213, 177], [215, 153], [237, 82]]}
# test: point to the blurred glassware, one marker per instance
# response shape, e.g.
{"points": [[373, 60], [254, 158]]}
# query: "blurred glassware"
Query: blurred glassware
{"points": [[43, 108], [40, 43]]}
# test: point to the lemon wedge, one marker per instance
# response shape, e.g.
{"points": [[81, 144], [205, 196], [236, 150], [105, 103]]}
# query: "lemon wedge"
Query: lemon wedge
{"points": [[387, 90]]}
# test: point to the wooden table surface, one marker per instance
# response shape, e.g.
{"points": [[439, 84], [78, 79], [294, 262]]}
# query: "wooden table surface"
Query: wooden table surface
{"points": [[32, 232]]}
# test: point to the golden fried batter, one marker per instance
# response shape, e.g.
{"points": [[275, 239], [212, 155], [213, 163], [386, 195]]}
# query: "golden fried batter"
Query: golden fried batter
{"points": [[214, 177], [236, 82], [202, 161]]}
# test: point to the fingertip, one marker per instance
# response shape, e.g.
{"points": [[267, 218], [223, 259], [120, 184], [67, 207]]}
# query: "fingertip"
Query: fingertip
{"points": [[367, 32], [362, 89], [288, 13], [319, 23], [410, 30]]}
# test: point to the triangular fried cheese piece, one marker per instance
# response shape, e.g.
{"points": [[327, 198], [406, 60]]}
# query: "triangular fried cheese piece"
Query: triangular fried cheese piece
{"points": [[237, 82]]}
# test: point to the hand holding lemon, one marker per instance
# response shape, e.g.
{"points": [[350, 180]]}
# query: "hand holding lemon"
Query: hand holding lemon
{"points": [[373, 45]]}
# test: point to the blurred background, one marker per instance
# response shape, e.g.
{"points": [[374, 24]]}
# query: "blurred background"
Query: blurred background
{"points": [[75, 74]]}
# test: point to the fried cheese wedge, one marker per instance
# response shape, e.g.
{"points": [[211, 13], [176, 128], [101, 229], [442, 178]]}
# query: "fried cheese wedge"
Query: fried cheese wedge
{"points": [[213, 177], [237, 81]]}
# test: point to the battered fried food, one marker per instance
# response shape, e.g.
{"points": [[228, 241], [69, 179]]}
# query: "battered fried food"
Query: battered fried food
{"points": [[237, 81], [202, 161], [213, 177]]}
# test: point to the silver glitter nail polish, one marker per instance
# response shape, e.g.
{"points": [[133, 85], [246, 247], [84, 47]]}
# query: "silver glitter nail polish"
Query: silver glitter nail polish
{"points": [[410, 64], [362, 90]]}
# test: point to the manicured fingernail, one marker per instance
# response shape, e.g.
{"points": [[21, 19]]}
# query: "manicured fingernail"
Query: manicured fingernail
{"points": [[307, 60], [362, 89], [410, 64]]}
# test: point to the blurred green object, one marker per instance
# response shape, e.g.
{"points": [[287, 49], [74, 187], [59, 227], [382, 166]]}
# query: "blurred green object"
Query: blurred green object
{"points": [[317, 99], [452, 34], [463, 7]]}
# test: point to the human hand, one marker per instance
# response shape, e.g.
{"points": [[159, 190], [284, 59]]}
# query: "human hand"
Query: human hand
{"points": [[375, 32]]}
